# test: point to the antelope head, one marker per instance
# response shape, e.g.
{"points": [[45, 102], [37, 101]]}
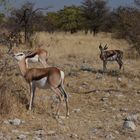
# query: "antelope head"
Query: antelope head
{"points": [[19, 56], [103, 48]]}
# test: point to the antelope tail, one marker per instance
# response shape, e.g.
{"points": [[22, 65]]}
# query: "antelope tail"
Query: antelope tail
{"points": [[63, 92]]}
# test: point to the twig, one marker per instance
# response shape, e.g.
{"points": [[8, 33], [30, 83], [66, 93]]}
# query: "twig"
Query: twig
{"points": [[103, 90], [108, 90]]}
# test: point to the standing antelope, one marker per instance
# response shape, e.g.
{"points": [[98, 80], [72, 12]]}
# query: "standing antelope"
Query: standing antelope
{"points": [[38, 55], [110, 55], [43, 78]]}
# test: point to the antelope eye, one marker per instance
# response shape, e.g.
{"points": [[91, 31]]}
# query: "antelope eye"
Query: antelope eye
{"points": [[19, 54]]}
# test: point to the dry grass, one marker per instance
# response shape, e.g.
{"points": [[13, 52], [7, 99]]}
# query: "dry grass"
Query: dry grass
{"points": [[9, 101], [78, 44], [71, 53]]}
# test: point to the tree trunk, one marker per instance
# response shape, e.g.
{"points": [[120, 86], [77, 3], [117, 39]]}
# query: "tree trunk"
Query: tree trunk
{"points": [[26, 33]]}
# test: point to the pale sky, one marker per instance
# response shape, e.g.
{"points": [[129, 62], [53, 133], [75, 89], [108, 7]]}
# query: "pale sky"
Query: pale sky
{"points": [[58, 4]]}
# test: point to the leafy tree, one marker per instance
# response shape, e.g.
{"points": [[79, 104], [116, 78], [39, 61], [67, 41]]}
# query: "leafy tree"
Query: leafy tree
{"points": [[127, 25], [137, 2], [52, 22], [94, 12], [127, 20], [70, 18], [2, 18]]}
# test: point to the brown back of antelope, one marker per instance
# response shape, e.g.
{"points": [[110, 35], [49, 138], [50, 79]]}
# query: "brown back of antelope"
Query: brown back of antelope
{"points": [[41, 54]]}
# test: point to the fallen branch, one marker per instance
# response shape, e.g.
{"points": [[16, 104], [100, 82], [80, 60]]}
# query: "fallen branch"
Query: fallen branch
{"points": [[103, 90]]}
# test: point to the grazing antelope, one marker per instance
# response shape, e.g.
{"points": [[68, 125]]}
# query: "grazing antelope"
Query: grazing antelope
{"points": [[110, 55], [38, 55], [43, 78]]}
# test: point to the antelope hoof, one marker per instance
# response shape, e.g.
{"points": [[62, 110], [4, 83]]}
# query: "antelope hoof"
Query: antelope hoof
{"points": [[56, 115], [67, 115], [30, 109]]}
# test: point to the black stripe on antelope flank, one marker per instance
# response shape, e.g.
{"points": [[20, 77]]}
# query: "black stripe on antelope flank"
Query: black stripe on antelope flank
{"points": [[32, 54]]}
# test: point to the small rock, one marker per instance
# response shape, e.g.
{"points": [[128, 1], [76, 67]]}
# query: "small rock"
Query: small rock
{"points": [[60, 121], [104, 105], [4, 137], [104, 99], [84, 83], [74, 135], [51, 133], [72, 74], [133, 118], [62, 117], [107, 95], [21, 137], [87, 68], [15, 131], [124, 109], [110, 137], [120, 95], [1, 136], [97, 91], [118, 116], [22, 122], [116, 132], [76, 110], [129, 125], [80, 88], [113, 109], [36, 138], [40, 132], [15, 121], [26, 133], [119, 79], [64, 129], [6, 122], [136, 79], [99, 76], [93, 131], [91, 137]]}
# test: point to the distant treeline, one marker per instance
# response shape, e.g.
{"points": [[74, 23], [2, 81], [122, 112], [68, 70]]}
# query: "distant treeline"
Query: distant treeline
{"points": [[92, 16]]}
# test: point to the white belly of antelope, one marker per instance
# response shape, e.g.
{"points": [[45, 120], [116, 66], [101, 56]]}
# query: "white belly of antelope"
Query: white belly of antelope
{"points": [[34, 59], [112, 58], [42, 83]]}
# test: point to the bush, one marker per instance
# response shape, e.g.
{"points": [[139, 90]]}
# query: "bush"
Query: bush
{"points": [[12, 99], [126, 25]]}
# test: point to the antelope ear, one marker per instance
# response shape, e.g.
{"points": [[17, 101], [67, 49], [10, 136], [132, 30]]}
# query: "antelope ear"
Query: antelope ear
{"points": [[100, 46], [27, 53], [105, 47]]}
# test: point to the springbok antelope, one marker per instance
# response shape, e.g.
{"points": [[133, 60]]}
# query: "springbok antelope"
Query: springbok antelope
{"points": [[110, 55], [38, 55], [43, 78]]}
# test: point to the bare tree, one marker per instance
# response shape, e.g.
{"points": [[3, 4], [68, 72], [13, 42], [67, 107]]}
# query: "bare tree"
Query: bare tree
{"points": [[137, 2], [25, 19]]}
